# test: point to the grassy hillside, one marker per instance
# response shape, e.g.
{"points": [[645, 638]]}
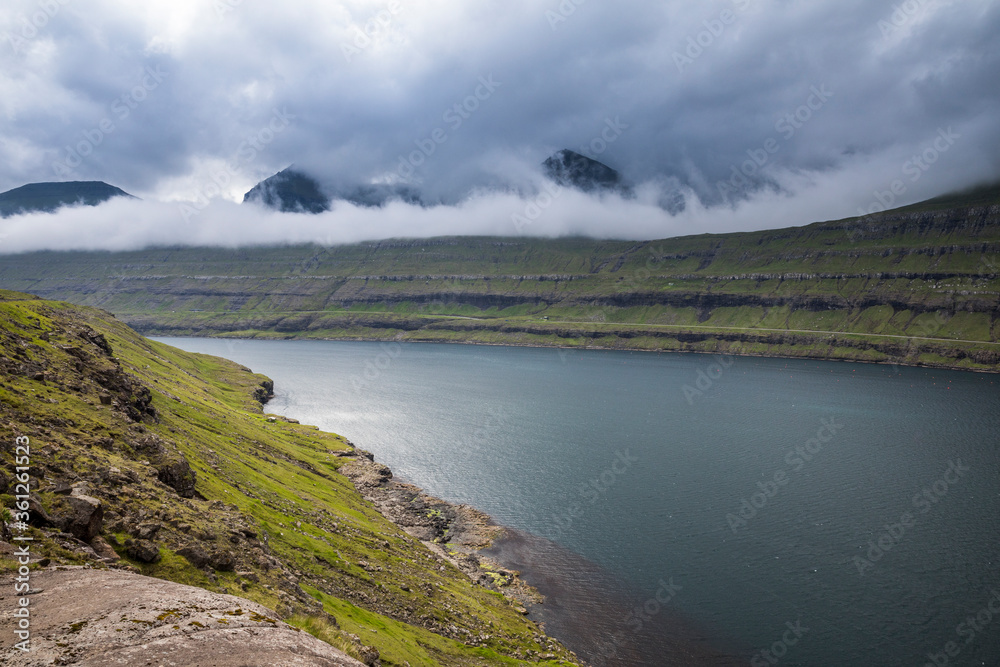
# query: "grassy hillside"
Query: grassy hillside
{"points": [[917, 285], [197, 485]]}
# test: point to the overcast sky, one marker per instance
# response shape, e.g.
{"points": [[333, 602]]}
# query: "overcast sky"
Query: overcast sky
{"points": [[734, 114]]}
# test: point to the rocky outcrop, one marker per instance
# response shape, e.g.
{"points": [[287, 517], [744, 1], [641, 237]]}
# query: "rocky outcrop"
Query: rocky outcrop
{"points": [[143, 551], [178, 475], [92, 618], [264, 392], [95, 360], [194, 554], [433, 521]]}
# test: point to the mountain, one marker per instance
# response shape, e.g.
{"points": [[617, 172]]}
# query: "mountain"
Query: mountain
{"points": [[572, 170], [295, 191], [291, 191], [145, 459], [47, 197], [917, 285]]}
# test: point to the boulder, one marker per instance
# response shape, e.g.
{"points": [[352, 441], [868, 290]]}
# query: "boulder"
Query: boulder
{"points": [[178, 475], [194, 555], [60, 489], [224, 561], [80, 515], [143, 551], [104, 550], [37, 516]]}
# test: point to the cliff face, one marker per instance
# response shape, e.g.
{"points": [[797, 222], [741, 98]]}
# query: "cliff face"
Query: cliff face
{"points": [[150, 460]]}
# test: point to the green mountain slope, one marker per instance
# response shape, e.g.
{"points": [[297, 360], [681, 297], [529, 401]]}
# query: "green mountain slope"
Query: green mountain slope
{"points": [[163, 459], [917, 285], [47, 197]]}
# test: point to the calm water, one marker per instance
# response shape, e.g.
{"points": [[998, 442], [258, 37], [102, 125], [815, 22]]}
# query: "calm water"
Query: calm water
{"points": [[641, 464]]}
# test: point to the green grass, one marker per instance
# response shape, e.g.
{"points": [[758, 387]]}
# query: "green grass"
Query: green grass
{"points": [[278, 478], [400, 644]]}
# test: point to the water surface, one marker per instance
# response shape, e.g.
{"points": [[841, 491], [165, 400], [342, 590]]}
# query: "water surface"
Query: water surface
{"points": [[642, 464]]}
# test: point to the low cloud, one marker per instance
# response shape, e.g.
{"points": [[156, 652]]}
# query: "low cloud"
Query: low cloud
{"points": [[797, 198], [455, 99]]}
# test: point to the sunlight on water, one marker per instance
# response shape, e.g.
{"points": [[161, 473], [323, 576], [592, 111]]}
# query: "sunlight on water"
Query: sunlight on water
{"points": [[833, 513]]}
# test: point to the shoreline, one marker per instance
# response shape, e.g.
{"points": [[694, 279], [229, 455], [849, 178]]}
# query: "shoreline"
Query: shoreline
{"points": [[571, 599], [600, 348], [457, 533], [588, 622]]}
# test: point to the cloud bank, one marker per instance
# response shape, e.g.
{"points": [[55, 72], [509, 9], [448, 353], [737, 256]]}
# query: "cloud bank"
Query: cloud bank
{"points": [[725, 115]]}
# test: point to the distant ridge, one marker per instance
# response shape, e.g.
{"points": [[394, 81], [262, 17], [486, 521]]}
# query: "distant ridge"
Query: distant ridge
{"points": [[47, 197]]}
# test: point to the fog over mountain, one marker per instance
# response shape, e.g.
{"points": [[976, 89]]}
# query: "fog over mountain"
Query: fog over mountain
{"points": [[733, 114]]}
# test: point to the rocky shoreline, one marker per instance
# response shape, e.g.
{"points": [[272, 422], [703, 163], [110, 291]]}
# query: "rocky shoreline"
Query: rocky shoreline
{"points": [[589, 611], [580, 605], [456, 533]]}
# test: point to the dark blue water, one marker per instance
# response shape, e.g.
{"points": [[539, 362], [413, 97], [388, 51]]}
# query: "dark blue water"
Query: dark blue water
{"points": [[827, 513]]}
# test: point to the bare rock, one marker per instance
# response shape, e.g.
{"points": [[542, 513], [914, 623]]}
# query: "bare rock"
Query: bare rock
{"points": [[194, 555], [37, 516], [366, 474], [178, 475], [264, 392], [80, 515], [143, 551], [96, 618], [224, 561], [104, 550], [98, 339], [147, 531], [60, 489]]}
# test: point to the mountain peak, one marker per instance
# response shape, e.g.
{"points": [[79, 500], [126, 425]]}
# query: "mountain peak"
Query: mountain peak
{"points": [[571, 169], [291, 191], [47, 197]]}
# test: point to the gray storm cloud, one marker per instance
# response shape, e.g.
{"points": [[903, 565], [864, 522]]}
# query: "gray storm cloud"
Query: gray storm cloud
{"points": [[734, 114]]}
